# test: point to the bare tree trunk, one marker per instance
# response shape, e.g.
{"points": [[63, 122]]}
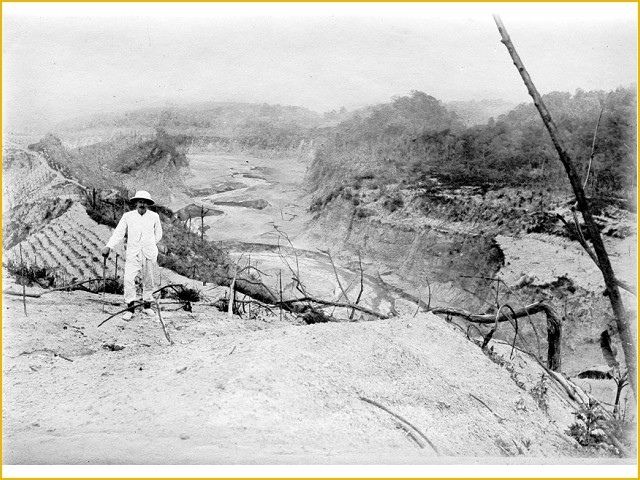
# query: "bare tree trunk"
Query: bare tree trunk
{"points": [[628, 342], [24, 281], [554, 339], [203, 212], [554, 325]]}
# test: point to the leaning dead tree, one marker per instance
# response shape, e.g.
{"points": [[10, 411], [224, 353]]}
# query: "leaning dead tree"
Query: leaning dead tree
{"points": [[554, 325], [603, 262]]}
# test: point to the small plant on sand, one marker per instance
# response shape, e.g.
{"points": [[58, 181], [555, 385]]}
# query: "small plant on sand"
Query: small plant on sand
{"points": [[540, 393], [594, 428], [185, 294]]}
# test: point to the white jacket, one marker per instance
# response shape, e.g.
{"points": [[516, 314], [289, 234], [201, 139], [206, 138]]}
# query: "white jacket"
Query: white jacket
{"points": [[143, 233]]}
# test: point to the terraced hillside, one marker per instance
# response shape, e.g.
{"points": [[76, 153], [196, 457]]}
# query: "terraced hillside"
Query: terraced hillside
{"points": [[70, 243], [44, 217]]}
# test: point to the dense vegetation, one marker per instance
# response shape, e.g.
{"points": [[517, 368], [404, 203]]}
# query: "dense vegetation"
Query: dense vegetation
{"points": [[415, 139]]}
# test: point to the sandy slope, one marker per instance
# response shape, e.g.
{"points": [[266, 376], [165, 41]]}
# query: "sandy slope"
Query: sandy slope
{"points": [[255, 391]]}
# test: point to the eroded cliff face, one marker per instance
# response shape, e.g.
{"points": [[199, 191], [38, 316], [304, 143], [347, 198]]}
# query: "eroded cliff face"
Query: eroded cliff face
{"points": [[412, 255], [414, 249]]}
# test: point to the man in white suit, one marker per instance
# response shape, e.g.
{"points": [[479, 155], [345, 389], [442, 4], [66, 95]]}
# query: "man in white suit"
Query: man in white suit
{"points": [[143, 231]]}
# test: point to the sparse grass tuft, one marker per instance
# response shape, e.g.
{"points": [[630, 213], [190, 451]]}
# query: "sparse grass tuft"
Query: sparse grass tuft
{"points": [[539, 393]]}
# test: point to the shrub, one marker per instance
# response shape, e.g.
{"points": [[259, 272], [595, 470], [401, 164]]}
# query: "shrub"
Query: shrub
{"points": [[44, 276], [591, 427], [185, 294]]}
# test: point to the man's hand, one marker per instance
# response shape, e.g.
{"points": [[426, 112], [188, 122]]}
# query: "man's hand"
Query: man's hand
{"points": [[105, 252]]}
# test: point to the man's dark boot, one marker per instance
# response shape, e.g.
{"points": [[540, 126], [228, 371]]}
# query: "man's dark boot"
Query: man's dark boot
{"points": [[131, 309], [147, 310]]}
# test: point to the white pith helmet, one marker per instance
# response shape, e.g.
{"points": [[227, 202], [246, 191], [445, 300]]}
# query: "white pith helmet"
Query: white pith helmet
{"points": [[142, 195]]}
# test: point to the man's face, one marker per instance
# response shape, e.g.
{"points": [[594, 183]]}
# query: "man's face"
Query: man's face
{"points": [[141, 206]]}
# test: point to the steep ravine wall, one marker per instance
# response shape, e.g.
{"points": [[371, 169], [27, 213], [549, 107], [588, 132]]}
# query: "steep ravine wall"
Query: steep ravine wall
{"points": [[410, 256], [405, 255]]}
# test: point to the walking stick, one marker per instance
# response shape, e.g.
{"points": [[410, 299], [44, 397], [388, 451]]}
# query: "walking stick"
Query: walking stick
{"points": [[104, 279], [157, 301]]}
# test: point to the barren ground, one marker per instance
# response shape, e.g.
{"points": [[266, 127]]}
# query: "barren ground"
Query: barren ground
{"points": [[260, 390], [263, 389]]}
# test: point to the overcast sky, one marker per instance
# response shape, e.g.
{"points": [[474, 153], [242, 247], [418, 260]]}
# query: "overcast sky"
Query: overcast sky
{"points": [[66, 61]]}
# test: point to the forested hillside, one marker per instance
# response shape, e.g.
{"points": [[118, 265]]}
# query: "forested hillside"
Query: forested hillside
{"points": [[415, 140]]}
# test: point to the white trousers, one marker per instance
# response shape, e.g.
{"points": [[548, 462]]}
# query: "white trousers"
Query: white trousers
{"points": [[132, 267]]}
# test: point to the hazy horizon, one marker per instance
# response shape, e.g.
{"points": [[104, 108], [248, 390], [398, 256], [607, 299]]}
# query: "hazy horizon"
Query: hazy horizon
{"points": [[74, 61]]}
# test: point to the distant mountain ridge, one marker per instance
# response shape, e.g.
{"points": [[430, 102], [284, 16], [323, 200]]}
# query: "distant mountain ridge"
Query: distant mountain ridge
{"points": [[225, 118]]}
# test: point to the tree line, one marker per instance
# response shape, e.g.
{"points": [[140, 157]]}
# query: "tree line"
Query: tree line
{"points": [[415, 140]]}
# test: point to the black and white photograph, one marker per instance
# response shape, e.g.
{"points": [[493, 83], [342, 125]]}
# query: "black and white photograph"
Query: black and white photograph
{"points": [[253, 239]]}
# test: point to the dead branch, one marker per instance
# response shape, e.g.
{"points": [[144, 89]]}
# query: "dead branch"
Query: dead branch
{"points": [[554, 324], [622, 320], [334, 304], [24, 288], [578, 233], [57, 289], [510, 290], [376, 404], [335, 273], [280, 280], [164, 327], [409, 432], [500, 419], [231, 296], [135, 304], [361, 285], [295, 253], [251, 267], [48, 350], [488, 337], [593, 144], [24, 294]]}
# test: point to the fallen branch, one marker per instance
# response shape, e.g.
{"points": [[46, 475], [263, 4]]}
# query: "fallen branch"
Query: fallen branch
{"points": [[334, 304], [48, 350], [135, 304], [500, 419], [335, 272], [164, 327], [22, 295], [410, 433], [57, 289], [374, 403]]}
